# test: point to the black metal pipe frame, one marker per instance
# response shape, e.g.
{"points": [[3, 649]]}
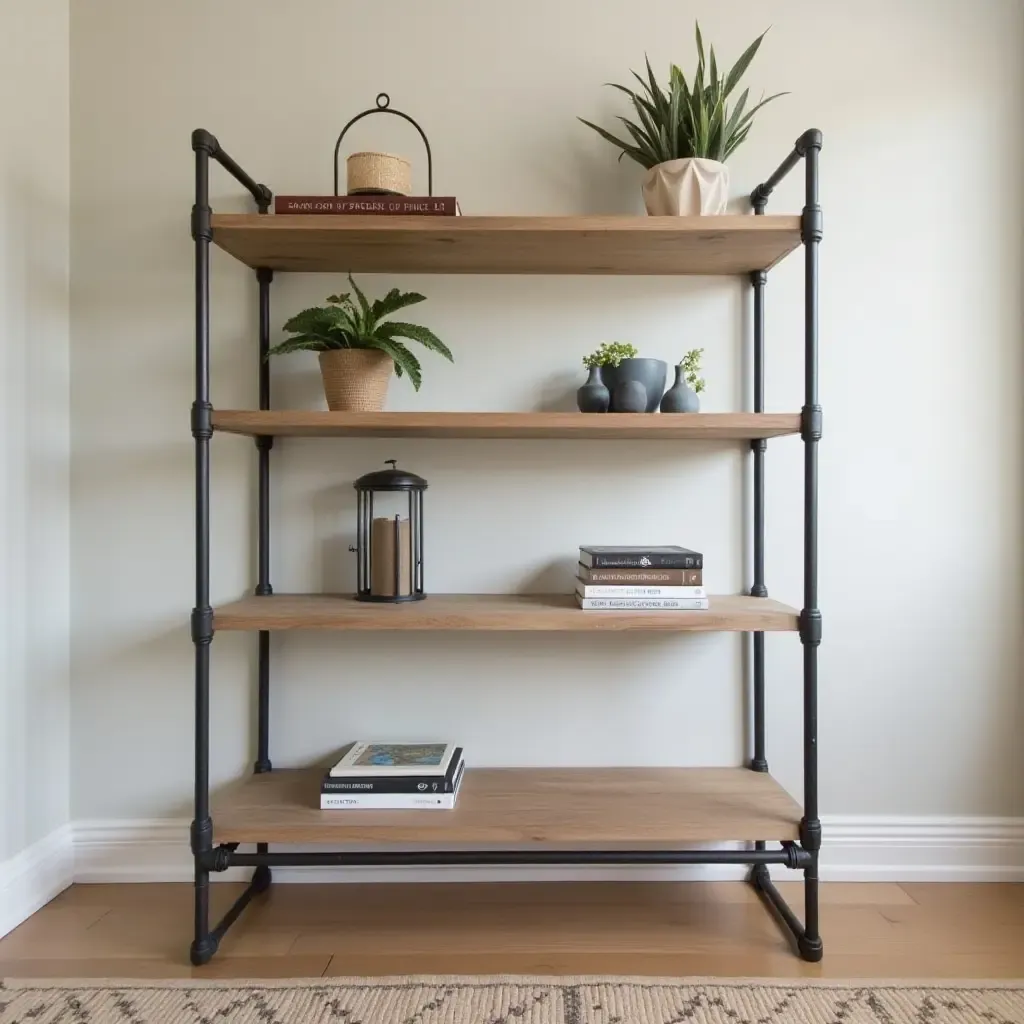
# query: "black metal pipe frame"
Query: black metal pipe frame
{"points": [[792, 855], [807, 935], [206, 147], [759, 761]]}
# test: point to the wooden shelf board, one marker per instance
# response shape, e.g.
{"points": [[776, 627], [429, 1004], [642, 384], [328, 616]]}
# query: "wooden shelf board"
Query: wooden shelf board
{"points": [[579, 808], [494, 612], [508, 245], [705, 426]]}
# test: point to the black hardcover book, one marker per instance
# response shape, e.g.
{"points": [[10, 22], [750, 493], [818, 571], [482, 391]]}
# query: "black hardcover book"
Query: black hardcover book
{"points": [[398, 784], [668, 557]]}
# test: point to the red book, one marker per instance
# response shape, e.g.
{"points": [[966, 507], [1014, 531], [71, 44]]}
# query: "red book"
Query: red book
{"points": [[370, 205]]}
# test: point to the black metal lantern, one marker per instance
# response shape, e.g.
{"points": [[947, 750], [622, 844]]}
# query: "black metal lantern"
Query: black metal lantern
{"points": [[389, 548]]}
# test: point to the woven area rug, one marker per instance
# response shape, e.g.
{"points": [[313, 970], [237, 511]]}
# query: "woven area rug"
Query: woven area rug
{"points": [[510, 1001]]}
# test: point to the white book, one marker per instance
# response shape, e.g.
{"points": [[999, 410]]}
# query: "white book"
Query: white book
{"points": [[393, 801], [392, 760], [643, 604], [613, 590]]}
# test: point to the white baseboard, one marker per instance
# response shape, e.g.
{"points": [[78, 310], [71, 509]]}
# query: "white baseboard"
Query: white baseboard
{"points": [[859, 849], [31, 878]]}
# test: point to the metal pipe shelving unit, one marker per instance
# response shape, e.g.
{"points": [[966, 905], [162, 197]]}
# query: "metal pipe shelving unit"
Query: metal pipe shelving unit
{"points": [[801, 854]]}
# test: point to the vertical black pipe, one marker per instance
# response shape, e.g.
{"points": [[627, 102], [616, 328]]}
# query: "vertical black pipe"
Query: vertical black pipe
{"points": [[759, 761], [263, 445], [810, 617], [203, 945]]}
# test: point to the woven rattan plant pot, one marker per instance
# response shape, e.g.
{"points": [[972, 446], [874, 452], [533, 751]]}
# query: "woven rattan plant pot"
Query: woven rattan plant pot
{"points": [[356, 379], [378, 172]]}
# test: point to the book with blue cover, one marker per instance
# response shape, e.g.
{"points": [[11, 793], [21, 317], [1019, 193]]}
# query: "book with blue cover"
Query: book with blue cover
{"points": [[394, 760]]}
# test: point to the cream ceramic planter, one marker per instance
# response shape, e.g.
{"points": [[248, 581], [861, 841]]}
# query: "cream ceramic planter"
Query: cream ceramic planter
{"points": [[686, 188]]}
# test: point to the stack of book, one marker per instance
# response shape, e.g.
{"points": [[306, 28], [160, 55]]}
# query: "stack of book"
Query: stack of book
{"points": [[641, 578], [394, 776]]}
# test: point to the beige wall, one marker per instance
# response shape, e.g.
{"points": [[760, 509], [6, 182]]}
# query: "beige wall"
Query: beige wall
{"points": [[34, 411], [920, 105]]}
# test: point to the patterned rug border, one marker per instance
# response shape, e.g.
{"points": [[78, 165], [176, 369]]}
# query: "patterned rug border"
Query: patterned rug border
{"points": [[466, 981]]}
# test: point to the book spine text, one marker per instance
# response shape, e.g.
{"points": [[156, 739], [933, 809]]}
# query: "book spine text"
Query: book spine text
{"points": [[395, 206], [682, 604], [588, 590]]}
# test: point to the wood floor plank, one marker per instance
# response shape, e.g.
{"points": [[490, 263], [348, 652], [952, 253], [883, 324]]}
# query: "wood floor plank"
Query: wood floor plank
{"points": [[229, 967], [887, 894], [870, 930]]}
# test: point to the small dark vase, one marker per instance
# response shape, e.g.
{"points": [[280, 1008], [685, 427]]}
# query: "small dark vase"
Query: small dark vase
{"points": [[629, 396], [593, 396], [680, 397], [651, 373]]}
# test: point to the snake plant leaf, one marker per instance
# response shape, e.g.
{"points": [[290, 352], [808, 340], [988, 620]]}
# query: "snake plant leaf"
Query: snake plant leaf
{"points": [[735, 141], [737, 112], [627, 149], [745, 121], [736, 73], [649, 147], [638, 101], [657, 96], [687, 117], [648, 119]]}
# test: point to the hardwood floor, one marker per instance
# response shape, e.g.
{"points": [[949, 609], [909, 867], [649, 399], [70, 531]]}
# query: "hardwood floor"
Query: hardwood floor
{"points": [[716, 929]]}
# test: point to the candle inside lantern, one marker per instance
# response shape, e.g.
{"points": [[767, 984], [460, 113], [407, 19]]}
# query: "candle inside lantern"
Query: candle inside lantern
{"points": [[390, 557]]}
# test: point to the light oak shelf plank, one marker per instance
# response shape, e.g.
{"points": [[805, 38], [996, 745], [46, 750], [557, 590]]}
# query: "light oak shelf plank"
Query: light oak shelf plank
{"points": [[572, 808], [496, 613], [704, 426], [508, 245]]}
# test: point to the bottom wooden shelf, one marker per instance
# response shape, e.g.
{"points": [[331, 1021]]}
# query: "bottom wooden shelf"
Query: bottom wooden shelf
{"points": [[572, 808]]}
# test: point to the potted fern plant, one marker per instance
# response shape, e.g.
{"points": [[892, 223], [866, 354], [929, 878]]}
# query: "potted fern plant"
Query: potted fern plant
{"points": [[686, 131], [360, 347]]}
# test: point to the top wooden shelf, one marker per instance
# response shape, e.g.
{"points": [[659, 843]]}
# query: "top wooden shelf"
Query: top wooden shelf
{"points": [[508, 245]]}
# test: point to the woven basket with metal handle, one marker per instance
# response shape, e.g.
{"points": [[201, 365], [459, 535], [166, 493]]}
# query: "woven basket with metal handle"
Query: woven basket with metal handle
{"points": [[381, 172]]}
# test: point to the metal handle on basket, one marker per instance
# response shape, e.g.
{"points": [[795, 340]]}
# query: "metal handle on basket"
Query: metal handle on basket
{"points": [[384, 107]]}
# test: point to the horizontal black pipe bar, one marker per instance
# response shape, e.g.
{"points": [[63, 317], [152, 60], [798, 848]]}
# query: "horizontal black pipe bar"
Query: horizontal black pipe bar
{"points": [[766, 188], [766, 887], [471, 857], [236, 908]]}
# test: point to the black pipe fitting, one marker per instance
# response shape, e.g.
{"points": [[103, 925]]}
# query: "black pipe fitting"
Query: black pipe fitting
{"points": [[810, 423], [201, 625], [202, 139], [200, 834], [811, 139], [810, 627], [202, 420], [810, 834]]}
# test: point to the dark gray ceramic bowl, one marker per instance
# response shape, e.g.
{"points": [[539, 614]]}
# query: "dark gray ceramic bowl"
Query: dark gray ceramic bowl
{"points": [[652, 373]]}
